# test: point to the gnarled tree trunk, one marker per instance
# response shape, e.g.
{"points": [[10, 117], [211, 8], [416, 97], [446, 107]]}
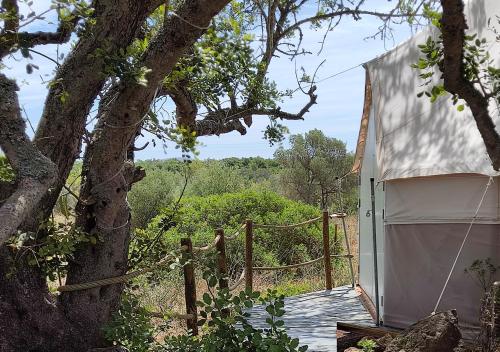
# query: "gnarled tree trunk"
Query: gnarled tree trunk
{"points": [[108, 175], [31, 319]]}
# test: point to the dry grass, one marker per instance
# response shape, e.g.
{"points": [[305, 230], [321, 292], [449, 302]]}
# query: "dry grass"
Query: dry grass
{"points": [[344, 277]]}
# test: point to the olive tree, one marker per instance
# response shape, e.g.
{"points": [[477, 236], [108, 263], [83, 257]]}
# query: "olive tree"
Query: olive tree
{"points": [[312, 167]]}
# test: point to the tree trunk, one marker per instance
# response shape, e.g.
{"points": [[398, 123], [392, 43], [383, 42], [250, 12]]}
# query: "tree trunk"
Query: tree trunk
{"points": [[25, 304], [81, 78], [29, 316], [108, 175], [31, 319]]}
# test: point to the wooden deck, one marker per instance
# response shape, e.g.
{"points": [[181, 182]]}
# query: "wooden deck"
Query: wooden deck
{"points": [[313, 317]]}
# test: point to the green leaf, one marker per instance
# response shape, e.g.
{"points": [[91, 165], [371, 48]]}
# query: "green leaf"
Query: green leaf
{"points": [[207, 299], [212, 281]]}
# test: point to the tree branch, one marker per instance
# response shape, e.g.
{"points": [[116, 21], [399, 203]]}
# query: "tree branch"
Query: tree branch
{"points": [[35, 173], [453, 31], [185, 106], [62, 126], [356, 13], [227, 120], [11, 38]]}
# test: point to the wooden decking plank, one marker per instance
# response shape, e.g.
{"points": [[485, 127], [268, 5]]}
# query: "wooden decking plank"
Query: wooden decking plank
{"points": [[313, 317]]}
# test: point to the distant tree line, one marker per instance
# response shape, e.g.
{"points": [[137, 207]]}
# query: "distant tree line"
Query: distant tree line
{"points": [[308, 171]]}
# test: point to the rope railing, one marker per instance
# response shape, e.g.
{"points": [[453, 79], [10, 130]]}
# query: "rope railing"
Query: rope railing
{"points": [[282, 227], [218, 244], [237, 233], [121, 278], [208, 246], [298, 265], [338, 215], [129, 276], [237, 283]]}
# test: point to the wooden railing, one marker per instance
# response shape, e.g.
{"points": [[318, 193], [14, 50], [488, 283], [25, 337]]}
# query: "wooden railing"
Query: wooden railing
{"points": [[219, 244], [249, 269]]}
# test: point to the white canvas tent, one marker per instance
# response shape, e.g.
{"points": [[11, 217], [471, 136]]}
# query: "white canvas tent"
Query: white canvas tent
{"points": [[430, 170]]}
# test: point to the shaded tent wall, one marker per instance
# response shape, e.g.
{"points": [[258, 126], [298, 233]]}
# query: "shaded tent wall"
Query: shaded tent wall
{"points": [[425, 223], [430, 158], [366, 253]]}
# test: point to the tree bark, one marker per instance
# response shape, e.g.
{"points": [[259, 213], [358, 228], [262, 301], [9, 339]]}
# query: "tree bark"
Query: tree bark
{"points": [[34, 172], [29, 319], [108, 175], [80, 77]]}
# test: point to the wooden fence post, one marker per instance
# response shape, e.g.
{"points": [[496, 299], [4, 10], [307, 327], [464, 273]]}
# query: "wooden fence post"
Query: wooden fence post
{"points": [[190, 288], [249, 255], [221, 258], [326, 250]]}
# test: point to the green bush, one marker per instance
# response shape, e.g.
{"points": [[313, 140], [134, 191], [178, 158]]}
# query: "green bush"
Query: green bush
{"points": [[6, 172], [198, 217], [132, 327], [367, 345], [156, 191], [224, 319], [212, 177]]}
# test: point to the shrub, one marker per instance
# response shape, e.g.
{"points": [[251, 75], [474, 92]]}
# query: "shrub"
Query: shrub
{"points": [[156, 191], [212, 177], [131, 326], [198, 217], [6, 172], [367, 345]]}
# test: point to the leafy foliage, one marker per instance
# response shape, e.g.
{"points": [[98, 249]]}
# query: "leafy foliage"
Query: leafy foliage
{"points": [[198, 217], [224, 319], [478, 65], [215, 178], [311, 167], [367, 345], [223, 64], [54, 247], [6, 172], [165, 181], [132, 327], [156, 191]]}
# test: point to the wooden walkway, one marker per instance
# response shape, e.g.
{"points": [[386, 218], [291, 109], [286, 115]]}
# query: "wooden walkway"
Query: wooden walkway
{"points": [[313, 317]]}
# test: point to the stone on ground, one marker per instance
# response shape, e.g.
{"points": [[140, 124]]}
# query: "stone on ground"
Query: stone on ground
{"points": [[437, 333]]}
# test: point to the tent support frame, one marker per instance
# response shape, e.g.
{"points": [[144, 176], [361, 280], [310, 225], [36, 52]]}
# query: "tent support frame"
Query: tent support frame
{"points": [[375, 253]]}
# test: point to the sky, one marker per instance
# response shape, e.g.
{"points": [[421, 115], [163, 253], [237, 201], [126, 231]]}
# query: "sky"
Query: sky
{"points": [[340, 98]]}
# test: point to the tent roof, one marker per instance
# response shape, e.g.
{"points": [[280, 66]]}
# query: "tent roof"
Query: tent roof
{"points": [[415, 137], [363, 129]]}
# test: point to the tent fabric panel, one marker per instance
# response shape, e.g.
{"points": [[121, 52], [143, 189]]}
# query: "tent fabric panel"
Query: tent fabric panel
{"points": [[417, 261], [414, 136], [442, 199], [366, 264]]}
